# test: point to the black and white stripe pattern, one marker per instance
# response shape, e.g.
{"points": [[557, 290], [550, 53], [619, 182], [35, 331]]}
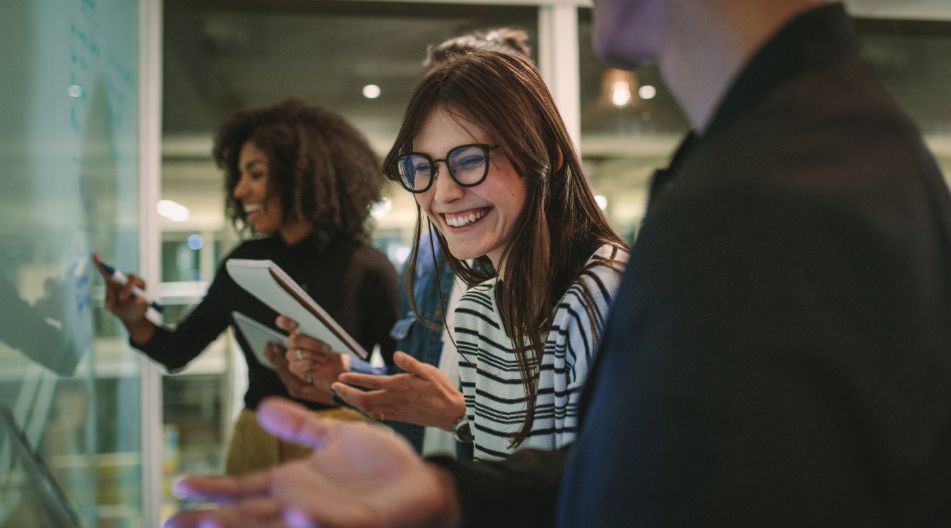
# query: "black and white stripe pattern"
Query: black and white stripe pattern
{"points": [[491, 383]]}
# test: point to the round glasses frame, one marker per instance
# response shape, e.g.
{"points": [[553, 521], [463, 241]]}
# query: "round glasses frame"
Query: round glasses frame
{"points": [[486, 149]]}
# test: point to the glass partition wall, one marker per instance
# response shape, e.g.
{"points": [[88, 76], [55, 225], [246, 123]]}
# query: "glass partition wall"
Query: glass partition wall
{"points": [[69, 158]]}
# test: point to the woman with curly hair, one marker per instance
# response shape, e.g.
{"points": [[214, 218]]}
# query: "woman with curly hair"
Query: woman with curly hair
{"points": [[301, 179]]}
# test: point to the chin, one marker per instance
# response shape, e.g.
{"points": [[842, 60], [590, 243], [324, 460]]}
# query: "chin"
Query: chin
{"points": [[463, 253], [264, 229]]}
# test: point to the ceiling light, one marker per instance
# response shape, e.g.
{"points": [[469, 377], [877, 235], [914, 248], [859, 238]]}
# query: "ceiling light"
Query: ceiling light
{"points": [[647, 92], [371, 91], [174, 211], [195, 242], [620, 94], [618, 88]]}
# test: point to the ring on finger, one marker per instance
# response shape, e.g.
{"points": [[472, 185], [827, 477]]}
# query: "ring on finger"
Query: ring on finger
{"points": [[300, 355], [310, 376]]}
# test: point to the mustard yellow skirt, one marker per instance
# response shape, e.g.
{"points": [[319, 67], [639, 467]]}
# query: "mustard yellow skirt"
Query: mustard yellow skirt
{"points": [[252, 448]]}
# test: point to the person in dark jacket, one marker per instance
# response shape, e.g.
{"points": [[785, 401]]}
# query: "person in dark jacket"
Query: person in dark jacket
{"points": [[778, 354]]}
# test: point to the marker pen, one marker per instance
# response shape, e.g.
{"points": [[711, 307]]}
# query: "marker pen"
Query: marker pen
{"points": [[120, 278]]}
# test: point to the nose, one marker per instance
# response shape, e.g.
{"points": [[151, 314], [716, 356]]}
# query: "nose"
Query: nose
{"points": [[241, 189], [445, 187]]}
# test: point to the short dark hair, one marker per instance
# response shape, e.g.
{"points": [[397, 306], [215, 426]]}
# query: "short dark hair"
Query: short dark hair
{"points": [[321, 167]]}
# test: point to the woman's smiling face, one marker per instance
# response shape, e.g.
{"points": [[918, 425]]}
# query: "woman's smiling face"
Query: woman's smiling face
{"points": [[478, 220], [253, 191]]}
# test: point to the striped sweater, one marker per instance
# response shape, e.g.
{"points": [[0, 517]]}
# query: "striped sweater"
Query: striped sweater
{"points": [[491, 383]]}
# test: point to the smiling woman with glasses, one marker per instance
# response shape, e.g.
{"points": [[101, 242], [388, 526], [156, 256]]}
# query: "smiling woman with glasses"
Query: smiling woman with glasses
{"points": [[496, 177]]}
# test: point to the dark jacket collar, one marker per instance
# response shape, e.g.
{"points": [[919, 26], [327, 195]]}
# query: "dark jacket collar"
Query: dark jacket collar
{"points": [[812, 39]]}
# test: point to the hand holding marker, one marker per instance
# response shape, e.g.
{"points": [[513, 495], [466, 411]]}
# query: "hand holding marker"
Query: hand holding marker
{"points": [[120, 278]]}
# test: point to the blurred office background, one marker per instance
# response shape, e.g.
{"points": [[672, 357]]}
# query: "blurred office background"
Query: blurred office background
{"points": [[131, 177]]}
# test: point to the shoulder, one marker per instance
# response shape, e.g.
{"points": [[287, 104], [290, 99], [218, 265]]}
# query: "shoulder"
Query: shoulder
{"points": [[823, 134], [256, 248], [369, 260], [600, 277], [481, 295], [253, 248], [477, 306]]}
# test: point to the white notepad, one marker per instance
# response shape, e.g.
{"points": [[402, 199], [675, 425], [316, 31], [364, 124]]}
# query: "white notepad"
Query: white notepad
{"points": [[271, 285], [258, 336]]}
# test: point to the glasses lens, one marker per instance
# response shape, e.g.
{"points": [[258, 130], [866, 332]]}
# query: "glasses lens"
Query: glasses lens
{"points": [[415, 171], [468, 164]]}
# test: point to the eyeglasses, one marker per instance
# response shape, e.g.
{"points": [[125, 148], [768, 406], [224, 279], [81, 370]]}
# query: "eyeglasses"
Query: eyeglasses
{"points": [[468, 165]]}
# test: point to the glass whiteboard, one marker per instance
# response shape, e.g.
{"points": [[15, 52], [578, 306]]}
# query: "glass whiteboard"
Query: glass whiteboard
{"points": [[68, 167]]}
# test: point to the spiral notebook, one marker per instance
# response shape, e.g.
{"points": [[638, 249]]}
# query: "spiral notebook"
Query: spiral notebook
{"points": [[274, 287]]}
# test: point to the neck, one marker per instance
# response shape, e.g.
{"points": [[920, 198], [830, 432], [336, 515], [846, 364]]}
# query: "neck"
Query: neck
{"points": [[294, 232], [709, 44], [495, 258]]}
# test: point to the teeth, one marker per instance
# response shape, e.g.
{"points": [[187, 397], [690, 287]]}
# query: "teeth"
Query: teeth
{"points": [[460, 220], [250, 208]]}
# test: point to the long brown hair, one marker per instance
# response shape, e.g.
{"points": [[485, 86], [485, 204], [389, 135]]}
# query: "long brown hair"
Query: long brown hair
{"points": [[560, 224], [321, 167]]}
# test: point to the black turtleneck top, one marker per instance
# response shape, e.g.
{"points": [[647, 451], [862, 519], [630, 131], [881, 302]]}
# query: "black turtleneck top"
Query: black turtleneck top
{"points": [[354, 283]]}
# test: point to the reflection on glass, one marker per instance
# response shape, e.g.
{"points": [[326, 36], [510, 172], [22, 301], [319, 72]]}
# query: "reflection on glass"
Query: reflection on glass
{"points": [[68, 155]]}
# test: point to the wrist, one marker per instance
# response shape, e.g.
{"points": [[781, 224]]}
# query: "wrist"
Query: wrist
{"points": [[141, 331], [455, 414], [462, 431]]}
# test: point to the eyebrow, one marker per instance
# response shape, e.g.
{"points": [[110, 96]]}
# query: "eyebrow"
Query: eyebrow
{"points": [[250, 165]]}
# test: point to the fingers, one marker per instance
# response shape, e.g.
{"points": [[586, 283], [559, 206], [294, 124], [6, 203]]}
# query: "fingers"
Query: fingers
{"points": [[258, 513], [298, 519], [300, 368], [302, 364], [125, 291], [307, 343], [307, 356], [99, 266], [293, 422], [411, 365], [274, 351], [222, 489], [372, 403], [375, 403], [368, 381], [286, 323]]}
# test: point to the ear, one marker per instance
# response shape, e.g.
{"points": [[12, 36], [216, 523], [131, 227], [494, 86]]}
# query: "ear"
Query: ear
{"points": [[561, 161]]}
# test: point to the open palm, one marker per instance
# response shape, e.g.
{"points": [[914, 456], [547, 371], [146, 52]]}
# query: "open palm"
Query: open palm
{"points": [[358, 475]]}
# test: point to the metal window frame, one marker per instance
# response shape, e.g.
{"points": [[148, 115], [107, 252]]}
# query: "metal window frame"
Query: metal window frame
{"points": [[150, 138]]}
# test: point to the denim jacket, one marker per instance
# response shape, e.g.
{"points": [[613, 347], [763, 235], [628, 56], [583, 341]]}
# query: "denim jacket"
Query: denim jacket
{"points": [[412, 336]]}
